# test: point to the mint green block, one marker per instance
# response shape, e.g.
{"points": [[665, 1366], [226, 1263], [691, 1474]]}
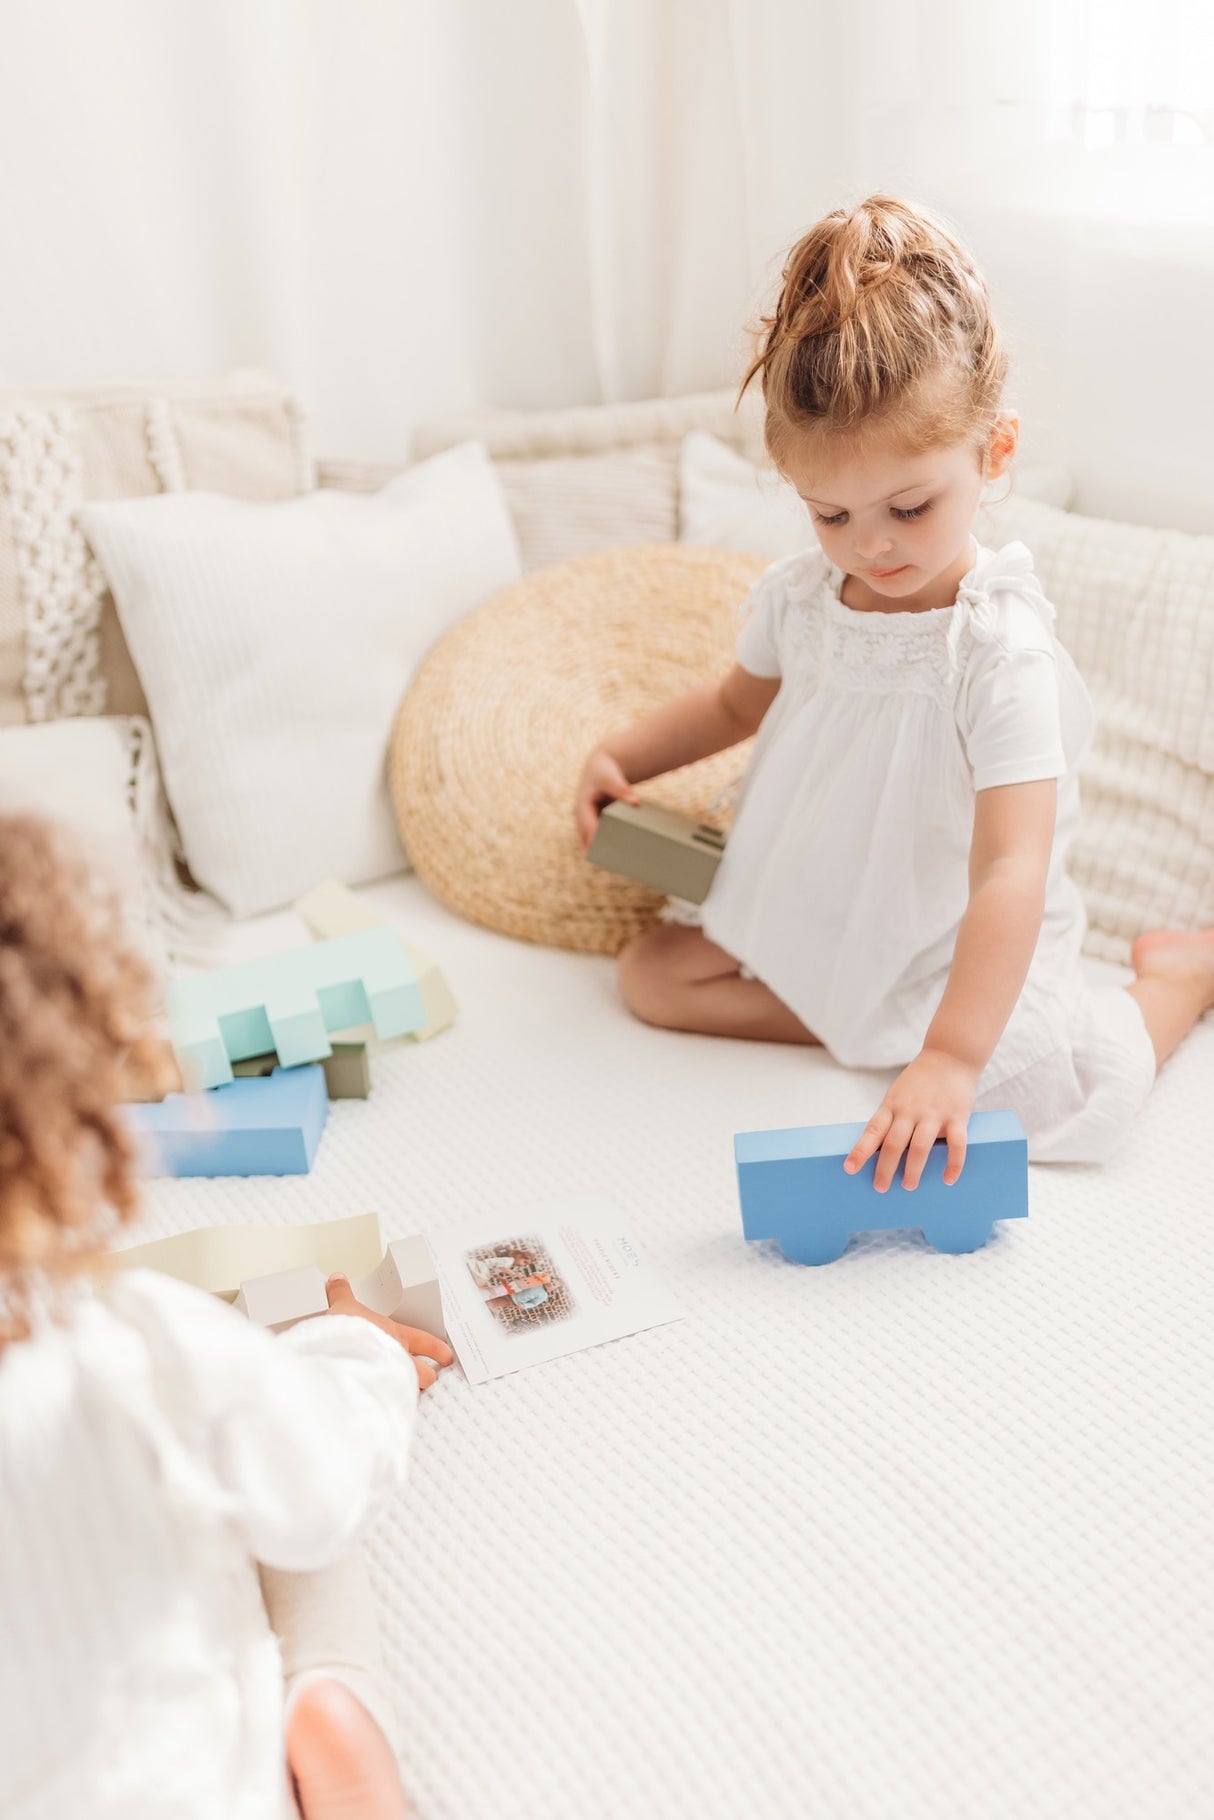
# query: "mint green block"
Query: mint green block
{"points": [[290, 1002]]}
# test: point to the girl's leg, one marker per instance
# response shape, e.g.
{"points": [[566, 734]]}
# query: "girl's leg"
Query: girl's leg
{"points": [[339, 1723], [675, 977], [1175, 984]]}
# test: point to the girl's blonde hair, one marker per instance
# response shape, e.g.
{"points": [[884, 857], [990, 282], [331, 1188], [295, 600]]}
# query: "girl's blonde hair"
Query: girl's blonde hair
{"points": [[76, 1009], [883, 325]]}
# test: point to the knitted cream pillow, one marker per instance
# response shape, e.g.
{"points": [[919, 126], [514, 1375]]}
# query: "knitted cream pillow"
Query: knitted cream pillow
{"points": [[494, 729], [62, 651]]}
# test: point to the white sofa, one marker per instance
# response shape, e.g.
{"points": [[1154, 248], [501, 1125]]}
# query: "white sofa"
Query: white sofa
{"points": [[908, 1537]]}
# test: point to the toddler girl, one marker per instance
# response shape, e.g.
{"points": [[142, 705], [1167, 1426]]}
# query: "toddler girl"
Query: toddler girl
{"points": [[895, 883], [156, 1447]]}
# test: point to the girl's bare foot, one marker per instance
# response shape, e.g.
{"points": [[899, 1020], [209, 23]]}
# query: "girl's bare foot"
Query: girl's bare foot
{"points": [[1175, 983], [342, 1764], [1171, 953]]}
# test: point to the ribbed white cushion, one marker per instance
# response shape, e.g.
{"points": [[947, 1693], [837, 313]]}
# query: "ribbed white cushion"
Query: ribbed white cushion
{"points": [[274, 643], [567, 505]]}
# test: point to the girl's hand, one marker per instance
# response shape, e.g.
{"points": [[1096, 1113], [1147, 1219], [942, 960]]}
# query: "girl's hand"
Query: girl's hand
{"points": [[602, 782], [932, 1097], [422, 1346]]}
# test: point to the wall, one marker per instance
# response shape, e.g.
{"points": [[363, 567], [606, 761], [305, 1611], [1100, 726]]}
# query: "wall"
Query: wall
{"points": [[409, 210]]}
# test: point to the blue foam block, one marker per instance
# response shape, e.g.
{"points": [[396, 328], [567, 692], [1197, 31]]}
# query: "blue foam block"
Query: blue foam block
{"points": [[290, 1002], [267, 1126], [794, 1190]]}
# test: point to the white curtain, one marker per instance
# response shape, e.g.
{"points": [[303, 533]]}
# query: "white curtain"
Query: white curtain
{"points": [[412, 207]]}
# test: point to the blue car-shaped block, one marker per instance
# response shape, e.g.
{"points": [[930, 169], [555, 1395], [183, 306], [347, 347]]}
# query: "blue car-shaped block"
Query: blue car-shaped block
{"points": [[794, 1190]]}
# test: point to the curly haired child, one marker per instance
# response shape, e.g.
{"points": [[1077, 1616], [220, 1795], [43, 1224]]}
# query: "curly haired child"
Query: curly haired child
{"points": [[157, 1450], [895, 882]]}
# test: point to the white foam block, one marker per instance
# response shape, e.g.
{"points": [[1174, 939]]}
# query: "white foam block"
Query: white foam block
{"points": [[405, 1287], [283, 1297]]}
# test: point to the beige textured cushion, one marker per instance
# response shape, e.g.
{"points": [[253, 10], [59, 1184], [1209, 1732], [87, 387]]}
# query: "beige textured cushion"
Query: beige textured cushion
{"points": [[492, 734], [597, 429], [1135, 609], [61, 648]]}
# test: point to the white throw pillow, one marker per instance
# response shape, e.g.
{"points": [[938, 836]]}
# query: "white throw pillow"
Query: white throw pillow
{"points": [[727, 503], [97, 779], [274, 643]]}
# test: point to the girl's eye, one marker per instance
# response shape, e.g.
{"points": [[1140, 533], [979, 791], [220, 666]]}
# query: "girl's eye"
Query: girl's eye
{"points": [[839, 518]]}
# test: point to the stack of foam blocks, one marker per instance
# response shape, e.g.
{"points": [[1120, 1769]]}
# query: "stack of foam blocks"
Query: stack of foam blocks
{"points": [[264, 1046]]}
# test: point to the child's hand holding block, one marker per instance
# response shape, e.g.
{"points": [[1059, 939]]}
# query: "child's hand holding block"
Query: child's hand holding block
{"points": [[403, 1288], [794, 1190], [671, 852]]}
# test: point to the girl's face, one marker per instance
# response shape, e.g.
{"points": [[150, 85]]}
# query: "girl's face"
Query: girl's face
{"points": [[898, 523]]}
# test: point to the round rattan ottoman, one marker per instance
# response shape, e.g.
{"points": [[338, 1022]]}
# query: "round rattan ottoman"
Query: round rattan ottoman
{"points": [[494, 729]]}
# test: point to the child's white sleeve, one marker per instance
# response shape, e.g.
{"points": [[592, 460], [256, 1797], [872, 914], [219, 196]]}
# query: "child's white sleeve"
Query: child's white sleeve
{"points": [[758, 646], [304, 1436], [1010, 716]]}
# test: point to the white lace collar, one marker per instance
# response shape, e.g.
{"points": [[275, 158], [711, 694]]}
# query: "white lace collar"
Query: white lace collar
{"points": [[896, 652]]}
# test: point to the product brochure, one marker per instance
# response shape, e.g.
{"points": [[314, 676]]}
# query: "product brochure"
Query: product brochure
{"points": [[529, 1284]]}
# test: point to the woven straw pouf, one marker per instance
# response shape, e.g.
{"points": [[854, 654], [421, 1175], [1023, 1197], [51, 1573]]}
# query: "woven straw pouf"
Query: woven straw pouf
{"points": [[496, 725]]}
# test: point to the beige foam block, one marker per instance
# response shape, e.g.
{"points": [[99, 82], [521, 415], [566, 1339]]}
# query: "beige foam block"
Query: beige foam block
{"points": [[405, 1287], [438, 1000], [662, 848], [332, 909], [221, 1258], [279, 1300], [347, 1071]]}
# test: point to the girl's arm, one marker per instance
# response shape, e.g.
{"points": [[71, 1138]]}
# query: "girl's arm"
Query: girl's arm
{"points": [[1009, 860], [705, 720], [300, 1438]]}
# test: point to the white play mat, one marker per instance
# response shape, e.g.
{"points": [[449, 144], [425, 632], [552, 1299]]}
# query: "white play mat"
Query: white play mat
{"points": [[907, 1537]]}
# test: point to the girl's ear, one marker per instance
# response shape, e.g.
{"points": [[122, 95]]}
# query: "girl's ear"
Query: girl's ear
{"points": [[1004, 440]]}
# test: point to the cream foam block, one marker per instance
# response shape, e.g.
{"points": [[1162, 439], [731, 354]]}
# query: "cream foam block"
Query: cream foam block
{"points": [[221, 1258]]}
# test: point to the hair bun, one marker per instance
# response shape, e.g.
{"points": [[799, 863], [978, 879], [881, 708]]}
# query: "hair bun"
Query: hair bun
{"points": [[874, 301]]}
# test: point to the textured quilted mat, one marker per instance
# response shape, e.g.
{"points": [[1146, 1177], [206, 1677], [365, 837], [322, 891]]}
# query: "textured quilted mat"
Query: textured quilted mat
{"points": [[908, 1537]]}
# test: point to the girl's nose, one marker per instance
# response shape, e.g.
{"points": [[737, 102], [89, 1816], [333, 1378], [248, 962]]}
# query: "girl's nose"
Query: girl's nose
{"points": [[869, 548]]}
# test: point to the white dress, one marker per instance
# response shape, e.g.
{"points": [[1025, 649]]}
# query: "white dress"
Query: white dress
{"points": [[151, 1452], [845, 877]]}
